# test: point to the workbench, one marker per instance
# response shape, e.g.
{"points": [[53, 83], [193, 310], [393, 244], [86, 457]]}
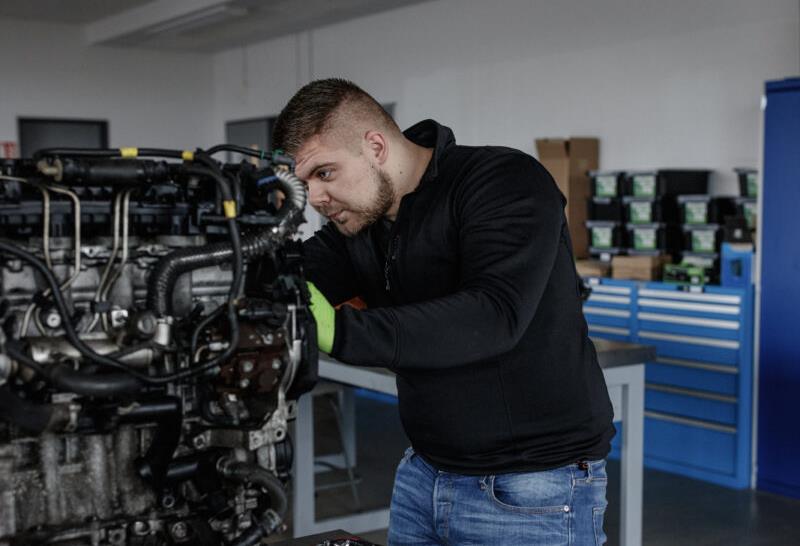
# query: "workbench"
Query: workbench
{"points": [[623, 368]]}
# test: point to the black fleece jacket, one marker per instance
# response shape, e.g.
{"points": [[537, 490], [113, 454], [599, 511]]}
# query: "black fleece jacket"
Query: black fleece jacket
{"points": [[475, 305]]}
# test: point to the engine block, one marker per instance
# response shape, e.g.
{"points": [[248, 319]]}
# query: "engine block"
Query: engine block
{"points": [[155, 335]]}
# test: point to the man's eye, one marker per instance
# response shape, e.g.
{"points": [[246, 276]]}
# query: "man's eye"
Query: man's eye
{"points": [[324, 174]]}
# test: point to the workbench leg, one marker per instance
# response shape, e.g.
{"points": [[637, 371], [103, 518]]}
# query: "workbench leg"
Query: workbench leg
{"points": [[347, 406], [303, 505], [632, 458]]}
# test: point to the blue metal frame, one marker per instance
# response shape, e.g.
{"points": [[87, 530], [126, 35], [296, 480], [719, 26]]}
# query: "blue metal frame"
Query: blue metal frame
{"points": [[779, 346], [698, 398]]}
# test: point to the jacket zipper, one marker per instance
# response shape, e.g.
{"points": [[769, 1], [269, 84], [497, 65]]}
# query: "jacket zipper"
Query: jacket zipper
{"points": [[390, 257]]}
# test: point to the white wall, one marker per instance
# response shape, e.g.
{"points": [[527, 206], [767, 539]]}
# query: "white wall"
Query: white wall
{"points": [[151, 99], [669, 83]]}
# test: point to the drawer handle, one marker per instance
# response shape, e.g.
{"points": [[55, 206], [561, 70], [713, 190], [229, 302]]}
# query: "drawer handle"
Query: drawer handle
{"points": [[693, 393], [690, 422]]}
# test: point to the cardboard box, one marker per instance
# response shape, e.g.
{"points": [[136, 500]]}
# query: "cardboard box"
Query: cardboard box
{"points": [[569, 161], [593, 268], [641, 268]]}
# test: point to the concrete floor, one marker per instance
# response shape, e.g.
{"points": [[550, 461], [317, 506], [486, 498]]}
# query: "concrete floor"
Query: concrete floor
{"points": [[677, 510]]}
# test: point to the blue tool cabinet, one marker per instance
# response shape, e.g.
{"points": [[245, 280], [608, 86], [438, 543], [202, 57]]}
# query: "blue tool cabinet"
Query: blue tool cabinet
{"points": [[779, 345], [698, 391]]}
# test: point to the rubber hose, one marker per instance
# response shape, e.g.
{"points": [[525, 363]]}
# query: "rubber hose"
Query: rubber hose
{"points": [[99, 385], [294, 189], [164, 276]]}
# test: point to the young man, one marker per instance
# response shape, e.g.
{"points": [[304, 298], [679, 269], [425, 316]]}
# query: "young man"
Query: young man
{"points": [[463, 258]]}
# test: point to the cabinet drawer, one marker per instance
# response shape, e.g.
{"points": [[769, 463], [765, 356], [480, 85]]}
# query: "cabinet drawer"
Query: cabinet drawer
{"points": [[692, 348], [694, 404], [690, 443], [717, 378]]}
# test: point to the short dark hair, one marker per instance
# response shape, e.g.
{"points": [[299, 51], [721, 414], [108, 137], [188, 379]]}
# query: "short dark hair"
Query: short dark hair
{"points": [[311, 110]]}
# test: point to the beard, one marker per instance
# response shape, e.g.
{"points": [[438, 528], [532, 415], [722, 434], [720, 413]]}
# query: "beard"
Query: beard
{"points": [[365, 216]]}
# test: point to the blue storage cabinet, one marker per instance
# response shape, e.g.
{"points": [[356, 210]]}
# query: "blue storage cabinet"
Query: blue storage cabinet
{"points": [[698, 391], [779, 345]]}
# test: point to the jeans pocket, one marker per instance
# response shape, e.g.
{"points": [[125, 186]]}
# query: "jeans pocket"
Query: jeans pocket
{"points": [[598, 512], [531, 492]]}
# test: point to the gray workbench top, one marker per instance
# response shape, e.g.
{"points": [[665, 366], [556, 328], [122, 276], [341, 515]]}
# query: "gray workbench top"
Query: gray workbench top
{"points": [[612, 354]]}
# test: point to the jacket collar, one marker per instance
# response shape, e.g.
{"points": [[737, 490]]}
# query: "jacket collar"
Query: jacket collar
{"points": [[431, 134]]}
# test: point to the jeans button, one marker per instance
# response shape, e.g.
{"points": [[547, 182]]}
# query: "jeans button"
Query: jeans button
{"points": [[566, 508]]}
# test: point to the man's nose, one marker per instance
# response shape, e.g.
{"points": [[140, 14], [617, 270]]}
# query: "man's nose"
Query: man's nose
{"points": [[316, 194]]}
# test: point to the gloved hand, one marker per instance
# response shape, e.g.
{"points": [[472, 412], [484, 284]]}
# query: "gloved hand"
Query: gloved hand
{"points": [[325, 315]]}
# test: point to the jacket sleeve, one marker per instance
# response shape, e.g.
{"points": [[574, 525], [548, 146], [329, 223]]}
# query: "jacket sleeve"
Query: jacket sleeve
{"points": [[327, 264], [509, 216]]}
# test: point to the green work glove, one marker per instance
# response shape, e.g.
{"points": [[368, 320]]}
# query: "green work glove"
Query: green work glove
{"points": [[325, 315]]}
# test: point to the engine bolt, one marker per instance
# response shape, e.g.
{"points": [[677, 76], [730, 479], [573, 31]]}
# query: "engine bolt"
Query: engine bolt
{"points": [[244, 383], [247, 366], [53, 320], [179, 530], [276, 364]]}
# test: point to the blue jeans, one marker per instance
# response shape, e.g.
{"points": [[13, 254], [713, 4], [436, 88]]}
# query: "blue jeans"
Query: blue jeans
{"points": [[564, 506]]}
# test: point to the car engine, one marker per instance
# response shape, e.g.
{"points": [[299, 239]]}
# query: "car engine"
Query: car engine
{"points": [[154, 337]]}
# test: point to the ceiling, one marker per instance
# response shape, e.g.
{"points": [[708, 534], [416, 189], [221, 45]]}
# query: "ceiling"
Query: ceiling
{"points": [[193, 25], [59, 11]]}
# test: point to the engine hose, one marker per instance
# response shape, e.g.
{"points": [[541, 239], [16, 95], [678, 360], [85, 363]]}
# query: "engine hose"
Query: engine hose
{"points": [[248, 473], [163, 278], [71, 380], [294, 189], [98, 385]]}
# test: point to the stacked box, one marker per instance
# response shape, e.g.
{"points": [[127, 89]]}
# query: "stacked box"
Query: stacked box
{"points": [[642, 268], [652, 239], [748, 181], [652, 217], [609, 183], [747, 207], [667, 182], [704, 209], [647, 210], [606, 238], [592, 268], [569, 161], [605, 215]]}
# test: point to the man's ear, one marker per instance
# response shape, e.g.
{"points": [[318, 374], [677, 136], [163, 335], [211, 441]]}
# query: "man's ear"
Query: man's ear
{"points": [[377, 147]]}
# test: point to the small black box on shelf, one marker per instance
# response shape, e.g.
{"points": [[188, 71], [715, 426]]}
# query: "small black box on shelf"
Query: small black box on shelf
{"points": [[604, 208]]}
